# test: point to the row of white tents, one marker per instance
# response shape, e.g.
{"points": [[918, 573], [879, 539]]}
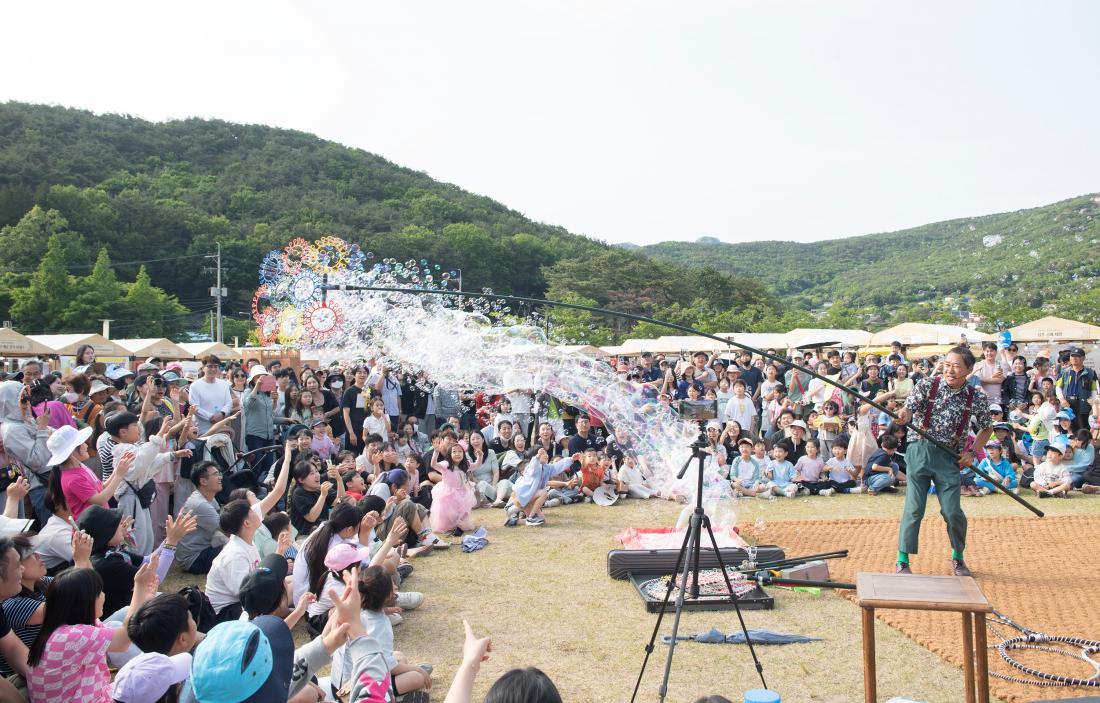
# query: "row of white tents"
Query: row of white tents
{"points": [[920, 339], [14, 344]]}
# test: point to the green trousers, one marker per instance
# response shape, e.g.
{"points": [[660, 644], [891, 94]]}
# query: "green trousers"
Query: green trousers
{"points": [[927, 464]]}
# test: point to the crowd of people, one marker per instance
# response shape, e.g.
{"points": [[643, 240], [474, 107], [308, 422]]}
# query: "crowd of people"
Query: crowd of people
{"points": [[305, 494]]}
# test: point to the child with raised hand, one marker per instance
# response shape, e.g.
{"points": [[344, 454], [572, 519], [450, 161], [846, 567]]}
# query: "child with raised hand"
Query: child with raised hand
{"points": [[998, 468], [592, 473], [745, 472], [843, 476], [1051, 476], [780, 472], [367, 668], [530, 490], [453, 498], [808, 473]]}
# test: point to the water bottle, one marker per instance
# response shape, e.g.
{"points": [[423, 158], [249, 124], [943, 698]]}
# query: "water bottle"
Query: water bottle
{"points": [[761, 695]]}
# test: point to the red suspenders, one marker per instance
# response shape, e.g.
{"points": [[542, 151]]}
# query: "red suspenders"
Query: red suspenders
{"points": [[931, 401]]}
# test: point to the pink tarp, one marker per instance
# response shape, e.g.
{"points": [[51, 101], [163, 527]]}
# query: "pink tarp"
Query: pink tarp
{"points": [[671, 538]]}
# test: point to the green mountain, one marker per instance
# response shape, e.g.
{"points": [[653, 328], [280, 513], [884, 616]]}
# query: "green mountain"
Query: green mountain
{"points": [[163, 195], [1009, 267]]}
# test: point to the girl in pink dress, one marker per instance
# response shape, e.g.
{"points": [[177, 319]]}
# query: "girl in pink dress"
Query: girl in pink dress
{"points": [[453, 498]]}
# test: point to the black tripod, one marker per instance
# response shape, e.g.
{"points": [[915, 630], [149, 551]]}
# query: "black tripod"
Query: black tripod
{"points": [[689, 558]]}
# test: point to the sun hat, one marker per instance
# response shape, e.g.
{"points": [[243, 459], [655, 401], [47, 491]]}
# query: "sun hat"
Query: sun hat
{"points": [[995, 408], [604, 495], [262, 589], [1063, 415], [713, 424], [341, 556], [174, 366], [64, 442], [993, 444], [98, 387], [147, 677], [799, 423], [744, 440], [118, 373], [257, 370], [147, 366], [170, 377]]}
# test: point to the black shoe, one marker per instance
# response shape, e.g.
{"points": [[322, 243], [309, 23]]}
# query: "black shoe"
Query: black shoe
{"points": [[456, 532], [959, 566], [1042, 494], [512, 521], [903, 568]]}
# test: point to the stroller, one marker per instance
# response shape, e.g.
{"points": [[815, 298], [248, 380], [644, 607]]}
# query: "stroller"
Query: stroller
{"points": [[238, 470]]}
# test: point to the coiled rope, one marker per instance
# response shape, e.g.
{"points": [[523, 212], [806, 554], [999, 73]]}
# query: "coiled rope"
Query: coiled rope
{"points": [[1040, 642]]}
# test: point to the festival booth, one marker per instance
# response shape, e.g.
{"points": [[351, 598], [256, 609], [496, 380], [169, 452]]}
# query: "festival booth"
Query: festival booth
{"points": [[198, 350], [166, 349], [912, 334], [14, 345], [804, 337], [687, 345], [759, 340], [586, 349], [1055, 330], [65, 345], [635, 347]]}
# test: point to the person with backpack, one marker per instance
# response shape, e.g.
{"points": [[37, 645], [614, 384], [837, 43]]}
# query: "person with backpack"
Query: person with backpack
{"points": [[1076, 388]]}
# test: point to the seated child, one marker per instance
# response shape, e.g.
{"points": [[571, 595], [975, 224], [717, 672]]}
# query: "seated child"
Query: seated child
{"points": [[843, 476], [745, 472], [530, 490], [882, 471], [1082, 457], [376, 591], [808, 473], [632, 479], [1051, 476], [997, 466], [780, 472], [592, 473]]}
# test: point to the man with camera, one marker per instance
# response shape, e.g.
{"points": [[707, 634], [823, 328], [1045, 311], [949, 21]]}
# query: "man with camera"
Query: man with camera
{"points": [[24, 437], [1076, 388]]}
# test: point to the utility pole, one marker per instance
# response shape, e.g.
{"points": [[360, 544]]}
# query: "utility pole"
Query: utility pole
{"points": [[218, 293], [106, 328]]}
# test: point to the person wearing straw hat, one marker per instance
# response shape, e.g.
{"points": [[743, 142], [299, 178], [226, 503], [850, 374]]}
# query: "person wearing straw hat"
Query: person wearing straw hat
{"points": [[72, 479]]}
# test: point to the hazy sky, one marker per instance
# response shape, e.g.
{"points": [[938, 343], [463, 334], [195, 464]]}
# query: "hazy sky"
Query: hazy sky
{"points": [[626, 121]]}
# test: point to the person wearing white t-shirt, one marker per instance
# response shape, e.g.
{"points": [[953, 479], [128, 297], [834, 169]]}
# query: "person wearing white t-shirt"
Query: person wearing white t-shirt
{"points": [[237, 559], [210, 395], [740, 407]]}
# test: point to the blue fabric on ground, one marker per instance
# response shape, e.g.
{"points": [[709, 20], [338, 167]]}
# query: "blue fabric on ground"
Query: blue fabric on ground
{"points": [[714, 636], [475, 540]]}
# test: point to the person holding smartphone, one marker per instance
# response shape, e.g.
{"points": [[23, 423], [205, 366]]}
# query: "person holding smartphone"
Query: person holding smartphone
{"points": [[258, 416]]}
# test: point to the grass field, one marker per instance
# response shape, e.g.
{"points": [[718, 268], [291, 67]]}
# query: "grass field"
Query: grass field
{"points": [[544, 596]]}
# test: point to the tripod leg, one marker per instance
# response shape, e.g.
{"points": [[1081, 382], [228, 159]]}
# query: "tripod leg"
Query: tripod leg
{"points": [[680, 559], [736, 605], [693, 542]]}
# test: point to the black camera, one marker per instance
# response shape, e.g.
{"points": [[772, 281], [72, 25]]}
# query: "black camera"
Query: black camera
{"points": [[39, 392], [698, 410]]}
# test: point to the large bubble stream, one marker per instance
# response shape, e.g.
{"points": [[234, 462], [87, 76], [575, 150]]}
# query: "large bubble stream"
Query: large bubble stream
{"points": [[456, 343]]}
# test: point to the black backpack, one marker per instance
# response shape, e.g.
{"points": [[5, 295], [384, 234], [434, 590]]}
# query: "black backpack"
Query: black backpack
{"points": [[201, 609]]}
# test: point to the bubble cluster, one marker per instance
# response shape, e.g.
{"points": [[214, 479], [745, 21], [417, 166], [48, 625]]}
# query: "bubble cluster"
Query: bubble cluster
{"points": [[468, 342]]}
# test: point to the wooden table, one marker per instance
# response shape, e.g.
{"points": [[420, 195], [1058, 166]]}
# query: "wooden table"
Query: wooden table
{"points": [[912, 592]]}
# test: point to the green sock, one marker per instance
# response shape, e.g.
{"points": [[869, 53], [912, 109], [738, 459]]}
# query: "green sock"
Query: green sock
{"points": [[956, 554], [903, 558]]}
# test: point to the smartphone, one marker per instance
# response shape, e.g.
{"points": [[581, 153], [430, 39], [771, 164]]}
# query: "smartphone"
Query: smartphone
{"points": [[267, 384]]}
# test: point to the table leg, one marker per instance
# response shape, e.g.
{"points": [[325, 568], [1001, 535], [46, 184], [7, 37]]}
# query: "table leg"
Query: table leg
{"points": [[981, 657], [870, 693], [968, 656]]}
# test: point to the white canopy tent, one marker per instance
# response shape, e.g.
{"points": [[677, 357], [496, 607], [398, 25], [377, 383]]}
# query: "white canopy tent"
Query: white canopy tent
{"points": [[14, 344], [804, 336], [1055, 329], [160, 348], [918, 333], [67, 344], [198, 350]]}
